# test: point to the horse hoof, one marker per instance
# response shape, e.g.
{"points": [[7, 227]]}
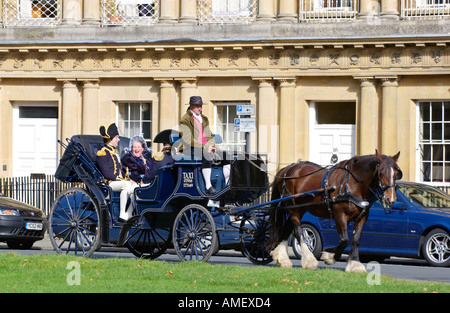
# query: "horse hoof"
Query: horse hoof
{"points": [[355, 267], [310, 263], [327, 258]]}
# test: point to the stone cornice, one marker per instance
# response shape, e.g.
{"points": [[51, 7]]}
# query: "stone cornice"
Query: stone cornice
{"points": [[252, 61]]}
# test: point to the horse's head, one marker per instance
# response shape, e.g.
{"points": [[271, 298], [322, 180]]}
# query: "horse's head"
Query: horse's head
{"points": [[388, 173]]}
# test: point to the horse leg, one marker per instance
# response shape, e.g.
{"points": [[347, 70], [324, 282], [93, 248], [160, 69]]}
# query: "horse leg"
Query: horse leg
{"points": [[280, 253], [330, 256], [308, 259], [353, 264]]}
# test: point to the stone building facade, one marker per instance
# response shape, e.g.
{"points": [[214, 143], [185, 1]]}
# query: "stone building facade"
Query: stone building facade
{"points": [[327, 79]]}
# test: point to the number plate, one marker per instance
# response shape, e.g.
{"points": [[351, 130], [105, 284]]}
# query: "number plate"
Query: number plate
{"points": [[33, 226]]}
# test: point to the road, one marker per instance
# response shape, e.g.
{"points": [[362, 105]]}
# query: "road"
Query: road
{"points": [[399, 268]]}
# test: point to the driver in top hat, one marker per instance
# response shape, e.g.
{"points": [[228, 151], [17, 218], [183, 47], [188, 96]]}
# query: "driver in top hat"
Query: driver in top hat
{"points": [[196, 135]]}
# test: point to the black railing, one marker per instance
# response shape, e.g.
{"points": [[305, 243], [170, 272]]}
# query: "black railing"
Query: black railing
{"points": [[39, 190]]}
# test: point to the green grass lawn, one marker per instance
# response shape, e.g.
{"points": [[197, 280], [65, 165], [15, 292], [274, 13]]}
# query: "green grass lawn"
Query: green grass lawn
{"points": [[55, 273]]}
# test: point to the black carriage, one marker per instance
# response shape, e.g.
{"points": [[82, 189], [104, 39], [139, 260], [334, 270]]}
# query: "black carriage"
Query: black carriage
{"points": [[173, 211]]}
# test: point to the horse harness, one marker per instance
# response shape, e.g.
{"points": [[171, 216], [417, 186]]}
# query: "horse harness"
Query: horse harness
{"points": [[343, 195]]}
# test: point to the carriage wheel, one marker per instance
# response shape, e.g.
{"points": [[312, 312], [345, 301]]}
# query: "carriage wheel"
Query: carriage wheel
{"points": [[194, 234], [145, 240], [74, 226], [254, 236]]}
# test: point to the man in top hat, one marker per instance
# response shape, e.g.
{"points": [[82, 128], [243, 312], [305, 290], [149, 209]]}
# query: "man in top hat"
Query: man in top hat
{"points": [[196, 134], [108, 162]]}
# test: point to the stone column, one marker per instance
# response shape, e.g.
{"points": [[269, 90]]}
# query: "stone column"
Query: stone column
{"points": [[369, 9], [267, 122], [91, 110], [71, 12], [169, 12], [1, 13], [389, 115], [188, 11], [368, 123], [91, 12], [188, 88], [266, 11], [288, 11], [69, 109], [168, 107], [287, 121], [389, 9]]}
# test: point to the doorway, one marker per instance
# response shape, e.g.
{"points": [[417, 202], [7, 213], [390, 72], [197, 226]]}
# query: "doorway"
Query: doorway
{"points": [[332, 132], [35, 134]]}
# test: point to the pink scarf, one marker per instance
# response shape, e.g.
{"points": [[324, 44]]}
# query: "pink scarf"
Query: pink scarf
{"points": [[201, 135]]}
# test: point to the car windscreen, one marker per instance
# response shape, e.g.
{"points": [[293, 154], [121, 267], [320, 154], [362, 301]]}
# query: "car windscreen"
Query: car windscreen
{"points": [[425, 196]]}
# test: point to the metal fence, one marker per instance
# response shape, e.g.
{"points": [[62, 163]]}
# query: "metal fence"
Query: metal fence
{"points": [[425, 8], [327, 10], [129, 12], [27, 13], [39, 190], [227, 11]]}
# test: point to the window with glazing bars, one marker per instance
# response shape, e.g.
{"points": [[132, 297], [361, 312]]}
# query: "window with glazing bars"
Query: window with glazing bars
{"points": [[135, 118], [434, 140]]}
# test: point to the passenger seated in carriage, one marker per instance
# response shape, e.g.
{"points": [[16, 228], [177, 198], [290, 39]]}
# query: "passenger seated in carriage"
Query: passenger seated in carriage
{"points": [[161, 158], [137, 160], [108, 162], [199, 141]]}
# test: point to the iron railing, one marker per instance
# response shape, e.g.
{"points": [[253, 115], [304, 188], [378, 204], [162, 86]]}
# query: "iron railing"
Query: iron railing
{"points": [[38, 190], [26, 13], [129, 12]]}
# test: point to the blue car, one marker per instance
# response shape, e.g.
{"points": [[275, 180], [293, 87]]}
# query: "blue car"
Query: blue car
{"points": [[418, 226]]}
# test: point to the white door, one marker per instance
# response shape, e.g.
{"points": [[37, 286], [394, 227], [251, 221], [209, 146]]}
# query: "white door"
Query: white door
{"points": [[330, 143], [35, 139]]}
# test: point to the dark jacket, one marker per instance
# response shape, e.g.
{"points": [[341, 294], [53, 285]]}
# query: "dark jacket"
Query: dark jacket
{"points": [[136, 167], [109, 163], [189, 131], [159, 160]]}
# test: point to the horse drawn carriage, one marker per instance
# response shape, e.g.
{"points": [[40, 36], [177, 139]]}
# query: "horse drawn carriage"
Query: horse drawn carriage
{"points": [[174, 210]]}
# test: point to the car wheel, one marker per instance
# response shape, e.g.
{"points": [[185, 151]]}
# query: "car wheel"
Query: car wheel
{"points": [[436, 248], [313, 241]]}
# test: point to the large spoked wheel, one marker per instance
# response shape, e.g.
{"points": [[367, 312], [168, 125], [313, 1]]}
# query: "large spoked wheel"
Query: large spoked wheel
{"points": [[254, 235], [436, 248], [145, 240], [194, 234], [74, 226]]}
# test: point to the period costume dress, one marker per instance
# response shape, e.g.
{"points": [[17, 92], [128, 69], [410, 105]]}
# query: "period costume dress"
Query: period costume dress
{"points": [[137, 167], [197, 139], [108, 162]]}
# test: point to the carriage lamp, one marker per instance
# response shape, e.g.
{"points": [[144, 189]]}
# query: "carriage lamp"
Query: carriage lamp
{"points": [[9, 212]]}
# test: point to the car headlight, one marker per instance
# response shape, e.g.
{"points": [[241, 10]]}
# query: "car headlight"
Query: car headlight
{"points": [[9, 212]]}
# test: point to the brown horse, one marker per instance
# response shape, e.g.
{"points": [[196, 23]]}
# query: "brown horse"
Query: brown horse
{"points": [[345, 192]]}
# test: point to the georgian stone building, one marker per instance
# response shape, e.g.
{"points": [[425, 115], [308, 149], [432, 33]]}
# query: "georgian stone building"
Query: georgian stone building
{"points": [[327, 79]]}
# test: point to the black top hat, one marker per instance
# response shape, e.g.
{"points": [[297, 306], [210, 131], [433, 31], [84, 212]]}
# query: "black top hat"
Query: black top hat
{"points": [[195, 100], [109, 133], [164, 136]]}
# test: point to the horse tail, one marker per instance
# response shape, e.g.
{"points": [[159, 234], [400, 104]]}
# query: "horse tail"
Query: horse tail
{"points": [[277, 218]]}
